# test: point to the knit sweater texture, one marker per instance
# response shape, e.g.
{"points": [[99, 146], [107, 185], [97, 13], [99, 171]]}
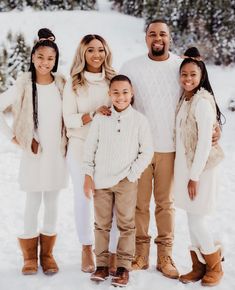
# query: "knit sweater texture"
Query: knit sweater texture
{"points": [[87, 99], [118, 146], [156, 92]]}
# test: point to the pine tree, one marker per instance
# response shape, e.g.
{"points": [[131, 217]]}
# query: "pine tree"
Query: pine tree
{"points": [[14, 59], [133, 7]]}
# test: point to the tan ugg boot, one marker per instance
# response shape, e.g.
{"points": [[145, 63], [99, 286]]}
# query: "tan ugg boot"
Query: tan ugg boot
{"points": [[198, 267], [29, 249], [214, 270], [47, 260], [112, 264], [88, 264]]}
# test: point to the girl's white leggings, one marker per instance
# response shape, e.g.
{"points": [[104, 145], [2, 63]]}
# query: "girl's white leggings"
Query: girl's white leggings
{"points": [[83, 207], [200, 234], [32, 206]]}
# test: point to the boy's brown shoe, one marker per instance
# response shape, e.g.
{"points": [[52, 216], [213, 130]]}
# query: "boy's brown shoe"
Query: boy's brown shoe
{"points": [[100, 274], [121, 278]]}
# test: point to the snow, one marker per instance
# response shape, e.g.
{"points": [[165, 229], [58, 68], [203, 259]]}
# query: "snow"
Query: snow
{"points": [[126, 38]]}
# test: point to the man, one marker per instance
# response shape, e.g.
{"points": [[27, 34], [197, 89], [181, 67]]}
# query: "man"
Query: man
{"points": [[157, 91]]}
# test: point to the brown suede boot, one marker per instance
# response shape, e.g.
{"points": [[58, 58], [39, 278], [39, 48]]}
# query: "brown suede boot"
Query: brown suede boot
{"points": [[214, 270], [29, 249], [198, 269], [140, 263], [88, 264], [165, 264], [47, 260], [112, 264]]}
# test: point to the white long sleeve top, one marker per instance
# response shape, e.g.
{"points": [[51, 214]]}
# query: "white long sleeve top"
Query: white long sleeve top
{"points": [[86, 100], [118, 146], [156, 91]]}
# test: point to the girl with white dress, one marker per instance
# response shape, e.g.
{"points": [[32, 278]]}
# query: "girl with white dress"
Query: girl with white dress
{"points": [[36, 100], [86, 94], [195, 166]]}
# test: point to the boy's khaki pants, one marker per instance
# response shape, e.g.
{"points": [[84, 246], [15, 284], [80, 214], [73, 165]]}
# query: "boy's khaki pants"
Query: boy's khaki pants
{"points": [[124, 196]]}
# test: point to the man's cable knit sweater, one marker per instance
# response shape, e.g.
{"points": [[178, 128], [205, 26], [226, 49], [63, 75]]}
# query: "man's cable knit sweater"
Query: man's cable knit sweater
{"points": [[156, 92]]}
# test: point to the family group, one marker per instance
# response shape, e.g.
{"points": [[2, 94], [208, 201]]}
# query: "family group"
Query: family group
{"points": [[152, 129]]}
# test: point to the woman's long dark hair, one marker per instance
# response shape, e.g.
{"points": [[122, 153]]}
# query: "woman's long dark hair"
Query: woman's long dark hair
{"points": [[46, 39], [192, 55]]}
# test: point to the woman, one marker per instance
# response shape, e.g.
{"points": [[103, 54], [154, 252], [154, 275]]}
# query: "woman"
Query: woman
{"points": [[86, 94]]}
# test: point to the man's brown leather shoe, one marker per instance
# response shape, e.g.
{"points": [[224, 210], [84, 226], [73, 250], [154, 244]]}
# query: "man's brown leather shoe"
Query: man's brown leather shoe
{"points": [[121, 278], [100, 274]]}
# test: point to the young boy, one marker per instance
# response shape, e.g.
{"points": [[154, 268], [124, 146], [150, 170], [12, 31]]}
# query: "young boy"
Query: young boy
{"points": [[118, 149]]}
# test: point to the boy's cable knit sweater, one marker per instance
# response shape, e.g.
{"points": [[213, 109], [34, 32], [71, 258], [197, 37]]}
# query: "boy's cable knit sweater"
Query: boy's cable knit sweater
{"points": [[118, 146], [157, 91]]}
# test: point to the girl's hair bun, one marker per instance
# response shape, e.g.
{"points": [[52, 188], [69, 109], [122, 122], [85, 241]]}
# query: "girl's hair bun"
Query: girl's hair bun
{"points": [[45, 33], [192, 52]]}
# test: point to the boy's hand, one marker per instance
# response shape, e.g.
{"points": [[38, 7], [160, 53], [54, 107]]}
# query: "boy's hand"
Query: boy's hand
{"points": [[216, 135], [192, 189], [89, 186]]}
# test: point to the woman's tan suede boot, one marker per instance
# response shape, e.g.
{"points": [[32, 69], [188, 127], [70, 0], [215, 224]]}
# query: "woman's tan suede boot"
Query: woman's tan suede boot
{"points": [[47, 260], [29, 249], [198, 268], [88, 264], [112, 264], [214, 270]]}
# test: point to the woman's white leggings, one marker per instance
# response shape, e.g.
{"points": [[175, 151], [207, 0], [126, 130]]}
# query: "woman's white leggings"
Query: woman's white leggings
{"points": [[83, 207], [200, 234], [32, 206]]}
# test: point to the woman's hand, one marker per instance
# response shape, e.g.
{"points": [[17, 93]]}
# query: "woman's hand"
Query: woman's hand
{"points": [[89, 186], [192, 189], [104, 110], [216, 135], [14, 140], [86, 118]]}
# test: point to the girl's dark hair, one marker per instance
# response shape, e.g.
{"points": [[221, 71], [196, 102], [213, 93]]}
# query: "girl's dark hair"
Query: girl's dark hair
{"points": [[121, 78], [45, 39], [192, 55]]}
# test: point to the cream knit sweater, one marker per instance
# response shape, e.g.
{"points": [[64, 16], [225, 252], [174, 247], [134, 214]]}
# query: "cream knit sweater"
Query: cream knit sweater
{"points": [[156, 91], [88, 98], [118, 146]]}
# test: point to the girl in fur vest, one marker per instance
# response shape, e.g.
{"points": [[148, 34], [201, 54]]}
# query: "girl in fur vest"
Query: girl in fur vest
{"points": [[38, 129], [195, 166], [86, 94]]}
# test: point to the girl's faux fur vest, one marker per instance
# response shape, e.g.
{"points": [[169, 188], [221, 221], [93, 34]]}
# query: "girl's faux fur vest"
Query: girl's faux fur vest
{"points": [[23, 125], [189, 131]]}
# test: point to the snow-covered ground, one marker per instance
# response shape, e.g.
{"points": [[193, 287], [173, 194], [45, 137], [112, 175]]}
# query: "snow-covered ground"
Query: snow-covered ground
{"points": [[126, 38]]}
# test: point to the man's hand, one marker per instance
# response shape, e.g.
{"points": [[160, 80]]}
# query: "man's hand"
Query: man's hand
{"points": [[89, 186], [192, 189], [216, 135]]}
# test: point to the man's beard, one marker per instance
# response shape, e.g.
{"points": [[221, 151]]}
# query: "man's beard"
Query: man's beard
{"points": [[158, 52]]}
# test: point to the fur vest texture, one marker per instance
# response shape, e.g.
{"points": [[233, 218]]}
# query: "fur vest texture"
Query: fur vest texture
{"points": [[23, 125], [189, 131]]}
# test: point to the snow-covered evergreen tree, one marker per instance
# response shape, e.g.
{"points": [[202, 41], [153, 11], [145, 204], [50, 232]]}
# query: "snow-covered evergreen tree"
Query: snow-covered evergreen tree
{"points": [[15, 58], [133, 7]]}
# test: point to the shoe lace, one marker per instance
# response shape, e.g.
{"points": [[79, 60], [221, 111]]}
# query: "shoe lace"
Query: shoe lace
{"points": [[167, 260]]}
